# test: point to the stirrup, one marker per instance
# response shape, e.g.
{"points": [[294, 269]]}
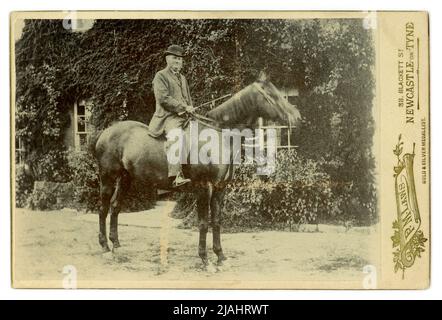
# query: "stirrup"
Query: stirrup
{"points": [[179, 181]]}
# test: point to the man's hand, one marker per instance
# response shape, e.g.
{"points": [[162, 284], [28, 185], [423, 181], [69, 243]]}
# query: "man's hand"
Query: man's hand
{"points": [[190, 109]]}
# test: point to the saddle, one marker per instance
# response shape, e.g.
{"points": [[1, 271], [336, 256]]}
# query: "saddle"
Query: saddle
{"points": [[162, 136]]}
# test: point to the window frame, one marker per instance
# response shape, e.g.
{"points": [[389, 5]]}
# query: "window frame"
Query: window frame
{"points": [[78, 145], [20, 151]]}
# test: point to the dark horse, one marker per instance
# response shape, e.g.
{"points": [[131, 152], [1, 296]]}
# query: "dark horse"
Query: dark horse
{"points": [[126, 152]]}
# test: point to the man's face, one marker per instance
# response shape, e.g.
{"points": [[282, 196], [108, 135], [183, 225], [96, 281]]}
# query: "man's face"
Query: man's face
{"points": [[174, 62]]}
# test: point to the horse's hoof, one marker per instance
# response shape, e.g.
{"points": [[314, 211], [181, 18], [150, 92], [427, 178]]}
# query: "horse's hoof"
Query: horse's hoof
{"points": [[105, 248], [210, 268], [204, 260], [223, 265], [115, 249], [116, 244], [221, 259]]}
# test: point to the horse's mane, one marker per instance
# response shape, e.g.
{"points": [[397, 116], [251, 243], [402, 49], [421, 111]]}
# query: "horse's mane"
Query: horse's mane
{"points": [[238, 108]]}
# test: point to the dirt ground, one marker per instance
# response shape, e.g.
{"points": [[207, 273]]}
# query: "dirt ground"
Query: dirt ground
{"points": [[155, 252]]}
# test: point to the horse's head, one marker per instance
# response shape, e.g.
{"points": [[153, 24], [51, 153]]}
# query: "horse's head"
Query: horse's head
{"points": [[260, 99], [272, 105]]}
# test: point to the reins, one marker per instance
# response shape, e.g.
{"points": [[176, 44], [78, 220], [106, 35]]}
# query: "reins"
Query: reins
{"points": [[212, 101], [205, 121]]}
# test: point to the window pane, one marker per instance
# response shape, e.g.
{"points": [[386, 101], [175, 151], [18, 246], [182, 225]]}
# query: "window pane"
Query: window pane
{"points": [[81, 124], [292, 99], [284, 140], [83, 140], [81, 110], [293, 138]]}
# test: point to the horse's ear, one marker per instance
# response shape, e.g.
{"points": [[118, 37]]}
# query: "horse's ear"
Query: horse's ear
{"points": [[263, 76]]}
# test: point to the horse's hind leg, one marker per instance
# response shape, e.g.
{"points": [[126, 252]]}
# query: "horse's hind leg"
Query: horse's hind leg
{"points": [[203, 202], [215, 210], [121, 187], [106, 188]]}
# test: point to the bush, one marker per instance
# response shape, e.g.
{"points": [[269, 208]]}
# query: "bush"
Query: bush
{"points": [[297, 192], [42, 201], [23, 186], [85, 178], [140, 197], [47, 195], [47, 171], [49, 166]]}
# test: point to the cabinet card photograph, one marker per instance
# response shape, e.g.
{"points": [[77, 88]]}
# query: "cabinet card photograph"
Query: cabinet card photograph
{"points": [[220, 150]]}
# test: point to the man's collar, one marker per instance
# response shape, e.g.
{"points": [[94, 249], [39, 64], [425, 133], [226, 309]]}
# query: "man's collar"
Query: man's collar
{"points": [[177, 73]]}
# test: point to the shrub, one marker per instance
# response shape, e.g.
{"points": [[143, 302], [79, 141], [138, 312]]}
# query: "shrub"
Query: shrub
{"points": [[47, 195], [298, 191], [49, 166], [23, 186], [140, 197], [85, 178], [41, 200]]}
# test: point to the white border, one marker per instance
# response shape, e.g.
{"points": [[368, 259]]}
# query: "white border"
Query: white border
{"points": [[435, 291]]}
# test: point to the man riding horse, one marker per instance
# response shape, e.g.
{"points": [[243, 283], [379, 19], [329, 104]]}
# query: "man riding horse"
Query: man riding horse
{"points": [[127, 152], [172, 96]]}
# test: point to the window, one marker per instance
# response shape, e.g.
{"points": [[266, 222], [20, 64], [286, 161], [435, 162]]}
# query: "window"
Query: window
{"points": [[284, 136], [19, 151], [81, 125], [291, 95]]}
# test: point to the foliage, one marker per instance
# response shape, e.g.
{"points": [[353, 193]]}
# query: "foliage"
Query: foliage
{"points": [[48, 195], [330, 62], [43, 95], [84, 176], [23, 186], [297, 192], [51, 166], [42, 200]]}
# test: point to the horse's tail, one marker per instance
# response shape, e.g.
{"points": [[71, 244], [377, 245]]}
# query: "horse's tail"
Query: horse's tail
{"points": [[93, 141]]}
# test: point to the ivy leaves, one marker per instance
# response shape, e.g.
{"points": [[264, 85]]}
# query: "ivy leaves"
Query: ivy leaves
{"points": [[328, 61]]}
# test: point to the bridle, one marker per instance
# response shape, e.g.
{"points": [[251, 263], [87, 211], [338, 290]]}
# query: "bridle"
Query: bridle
{"points": [[214, 124], [270, 100], [265, 94]]}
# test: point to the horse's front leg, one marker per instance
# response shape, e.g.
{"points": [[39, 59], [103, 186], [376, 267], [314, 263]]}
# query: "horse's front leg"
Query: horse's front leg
{"points": [[215, 209], [203, 202]]}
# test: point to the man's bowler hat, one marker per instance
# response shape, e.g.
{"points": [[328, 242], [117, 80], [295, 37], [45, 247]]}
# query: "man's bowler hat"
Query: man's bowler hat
{"points": [[175, 50]]}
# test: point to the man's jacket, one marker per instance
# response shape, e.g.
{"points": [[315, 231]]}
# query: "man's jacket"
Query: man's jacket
{"points": [[171, 95]]}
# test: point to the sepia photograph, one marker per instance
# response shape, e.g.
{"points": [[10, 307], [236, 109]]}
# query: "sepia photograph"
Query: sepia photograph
{"points": [[220, 150]]}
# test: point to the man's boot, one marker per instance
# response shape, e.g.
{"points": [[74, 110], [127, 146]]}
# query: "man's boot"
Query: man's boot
{"points": [[180, 180]]}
